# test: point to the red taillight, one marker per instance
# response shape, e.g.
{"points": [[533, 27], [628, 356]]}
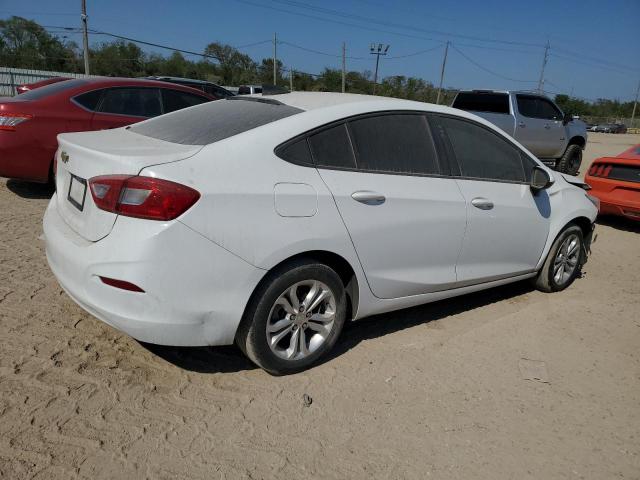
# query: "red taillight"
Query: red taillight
{"points": [[142, 197], [8, 121], [121, 284]]}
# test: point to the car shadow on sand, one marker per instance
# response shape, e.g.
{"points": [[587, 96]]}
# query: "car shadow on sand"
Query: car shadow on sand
{"points": [[619, 223], [31, 190], [230, 359]]}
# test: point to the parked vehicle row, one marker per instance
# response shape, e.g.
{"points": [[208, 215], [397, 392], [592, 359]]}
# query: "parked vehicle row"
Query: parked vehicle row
{"points": [[269, 221], [31, 121], [609, 128], [533, 120]]}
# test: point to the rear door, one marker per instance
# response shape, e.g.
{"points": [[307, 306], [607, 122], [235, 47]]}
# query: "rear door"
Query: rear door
{"points": [[406, 219], [539, 126], [122, 106], [507, 225]]}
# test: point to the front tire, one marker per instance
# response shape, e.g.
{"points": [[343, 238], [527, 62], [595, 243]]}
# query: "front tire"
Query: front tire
{"points": [[294, 317], [571, 160], [564, 261]]}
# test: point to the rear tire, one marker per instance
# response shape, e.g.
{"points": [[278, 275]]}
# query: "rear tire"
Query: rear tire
{"points": [[564, 261], [294, 317], [570, 162]]}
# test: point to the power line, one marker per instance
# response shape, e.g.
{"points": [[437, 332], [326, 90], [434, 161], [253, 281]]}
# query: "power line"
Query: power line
{"points": [[311, 50], [596, 60], [353, 16], [487, 70], [589, 64], [420, 52]]}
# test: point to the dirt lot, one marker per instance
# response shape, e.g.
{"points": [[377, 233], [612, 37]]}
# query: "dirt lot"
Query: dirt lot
{"points": [[438, 391]]}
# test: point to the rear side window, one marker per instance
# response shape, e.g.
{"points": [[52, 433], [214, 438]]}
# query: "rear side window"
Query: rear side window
{"points": [[296, 152], [332, 148], [173, 100], [482, 153], [399, 143], [482, 102], [89, 100], [136, 102], [214, 121]]}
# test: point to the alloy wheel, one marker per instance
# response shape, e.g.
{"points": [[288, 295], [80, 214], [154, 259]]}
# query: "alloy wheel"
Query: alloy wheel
{"points": [[566, 260], [301, 320]]}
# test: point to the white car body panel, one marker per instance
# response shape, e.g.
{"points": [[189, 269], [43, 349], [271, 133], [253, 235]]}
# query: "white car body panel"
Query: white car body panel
{"points": [[508, 238], [256, 211]]}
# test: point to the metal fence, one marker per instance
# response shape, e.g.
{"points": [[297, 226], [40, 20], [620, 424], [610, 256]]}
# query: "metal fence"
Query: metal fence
{"points": [[602, 120], [11, 78]]}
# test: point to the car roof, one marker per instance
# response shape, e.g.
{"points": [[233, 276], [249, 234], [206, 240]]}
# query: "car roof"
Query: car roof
{"points": [[310, 101], [181, 79]]}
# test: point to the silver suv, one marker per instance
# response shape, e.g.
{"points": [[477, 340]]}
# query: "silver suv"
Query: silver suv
{"points": [[534, 121]]}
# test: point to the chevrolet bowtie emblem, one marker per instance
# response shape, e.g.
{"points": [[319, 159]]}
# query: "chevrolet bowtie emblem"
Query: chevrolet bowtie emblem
{"points": [[64, 156]]}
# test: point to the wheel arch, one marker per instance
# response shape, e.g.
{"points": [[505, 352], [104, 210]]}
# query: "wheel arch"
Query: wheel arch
{"points": [[577, 140], [333, 260]]}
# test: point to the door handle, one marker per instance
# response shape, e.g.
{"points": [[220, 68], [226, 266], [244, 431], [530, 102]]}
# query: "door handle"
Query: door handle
{"points": [[482, 203], [368, 198], [547, 126], [522, 124]]}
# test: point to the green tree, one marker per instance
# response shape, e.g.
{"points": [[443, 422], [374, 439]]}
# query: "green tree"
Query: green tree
{"points": [[117, 59], [25, 44]]}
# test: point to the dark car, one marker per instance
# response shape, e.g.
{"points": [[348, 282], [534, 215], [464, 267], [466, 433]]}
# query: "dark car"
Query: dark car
{"points": [[30, 122], [207, 87], [611, 128], [32, 86]]}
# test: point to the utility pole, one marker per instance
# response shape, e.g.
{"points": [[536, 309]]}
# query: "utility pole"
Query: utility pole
{"points": [[344, 65], [275, 58], [291, 79], [85, 37], [544, 64], [635, 104], [377, 51], [444, 64]]}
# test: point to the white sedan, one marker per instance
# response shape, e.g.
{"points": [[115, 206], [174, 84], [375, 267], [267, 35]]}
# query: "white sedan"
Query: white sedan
{"points": [[269, 221]]}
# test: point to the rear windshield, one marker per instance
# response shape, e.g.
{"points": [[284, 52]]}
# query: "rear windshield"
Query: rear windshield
{"points": [[482, 102], [51, 89], [214, 121]]}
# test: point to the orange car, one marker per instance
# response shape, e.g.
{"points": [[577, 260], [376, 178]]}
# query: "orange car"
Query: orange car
{"points": [[616, 182]]}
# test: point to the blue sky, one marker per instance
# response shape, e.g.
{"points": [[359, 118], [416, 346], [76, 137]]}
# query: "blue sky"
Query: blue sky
{"points": [[594, 51]]}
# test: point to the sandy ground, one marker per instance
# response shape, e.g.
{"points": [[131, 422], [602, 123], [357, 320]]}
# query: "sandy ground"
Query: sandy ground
{"points": [[439, 391]]}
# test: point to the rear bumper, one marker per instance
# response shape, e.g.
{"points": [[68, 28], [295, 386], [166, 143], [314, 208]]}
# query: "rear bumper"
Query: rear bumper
{"points": [[616, 198], [195, 292], [23, 158]]}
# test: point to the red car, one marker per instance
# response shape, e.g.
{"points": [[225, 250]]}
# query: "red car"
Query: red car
{"points": [[32, 86], [30, 122], [616, 182]]}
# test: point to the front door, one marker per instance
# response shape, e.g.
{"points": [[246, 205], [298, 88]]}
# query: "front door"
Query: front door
{"points": [[507, 225], [539, 126]]}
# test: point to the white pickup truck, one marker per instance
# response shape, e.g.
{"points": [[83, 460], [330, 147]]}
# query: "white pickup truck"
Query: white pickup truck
{"points": [[533, 120]]}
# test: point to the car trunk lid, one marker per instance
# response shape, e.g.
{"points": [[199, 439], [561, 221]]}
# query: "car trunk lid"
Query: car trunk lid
{"points": [[82, 156]]}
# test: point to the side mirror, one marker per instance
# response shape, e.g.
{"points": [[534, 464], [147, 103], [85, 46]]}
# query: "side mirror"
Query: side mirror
{"points": [[540, 179], [566, 118]]}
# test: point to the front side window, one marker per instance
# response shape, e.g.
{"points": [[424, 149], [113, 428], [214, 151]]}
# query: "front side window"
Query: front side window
{"points": [[481, 153], [548, 110], [395, 143], [331, 147], [137, 102], [536, 107], [176, 100]]}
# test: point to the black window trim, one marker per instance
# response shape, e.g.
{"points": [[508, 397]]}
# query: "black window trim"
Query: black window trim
{"points": [[480, 179], [444, 172], [117, 87]]}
